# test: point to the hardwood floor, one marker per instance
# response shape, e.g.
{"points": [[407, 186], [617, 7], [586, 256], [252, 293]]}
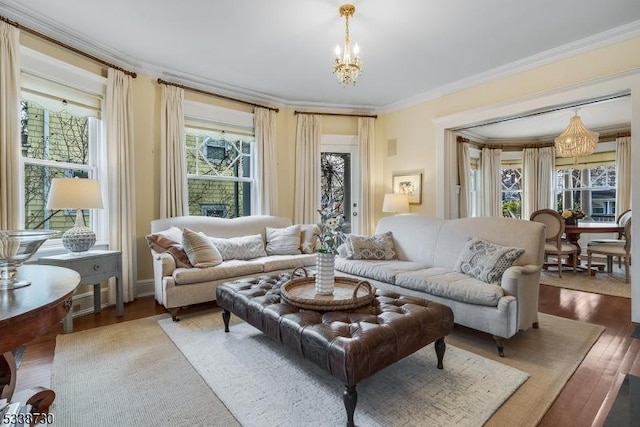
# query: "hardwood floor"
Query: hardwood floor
{"points": [[584, 401]]}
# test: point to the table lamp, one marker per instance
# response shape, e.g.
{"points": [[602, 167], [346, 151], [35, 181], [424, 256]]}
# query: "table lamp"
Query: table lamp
{"points": [[78, 194], [396, 203]]}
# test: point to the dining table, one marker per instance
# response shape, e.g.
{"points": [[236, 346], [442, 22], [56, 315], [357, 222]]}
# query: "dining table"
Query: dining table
{"points": [[573, 233]]}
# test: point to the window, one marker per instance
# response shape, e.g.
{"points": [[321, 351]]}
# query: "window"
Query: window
{"points": [[592, 189], [60, 137], [219, 148], [511, 184]]}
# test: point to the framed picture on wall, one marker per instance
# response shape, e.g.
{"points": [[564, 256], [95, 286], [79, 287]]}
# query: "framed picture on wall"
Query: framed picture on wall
{"points": [[411, 185]]}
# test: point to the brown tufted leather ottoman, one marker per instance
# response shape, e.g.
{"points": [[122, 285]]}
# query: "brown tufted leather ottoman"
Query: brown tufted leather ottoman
{"points": [[351, 345]]}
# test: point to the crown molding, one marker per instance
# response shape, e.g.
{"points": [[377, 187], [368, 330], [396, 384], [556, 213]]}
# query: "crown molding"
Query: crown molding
{"points": [[13, 10], [606, 38]]}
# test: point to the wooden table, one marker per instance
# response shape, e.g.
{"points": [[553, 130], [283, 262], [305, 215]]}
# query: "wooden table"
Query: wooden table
{"points": [[28, 312], [573, 232]]}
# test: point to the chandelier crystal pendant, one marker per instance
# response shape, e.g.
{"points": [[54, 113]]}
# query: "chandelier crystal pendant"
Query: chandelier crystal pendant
{"points": [[576, 140], [347, 67]]}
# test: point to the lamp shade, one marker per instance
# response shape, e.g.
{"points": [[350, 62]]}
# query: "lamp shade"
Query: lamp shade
{"points": [[396, 203], [74, 193], [78, 194]]}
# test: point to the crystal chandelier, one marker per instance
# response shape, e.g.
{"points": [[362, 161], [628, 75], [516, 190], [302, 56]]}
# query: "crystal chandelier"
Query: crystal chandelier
{"points": [[576, 140], [347, 67]]}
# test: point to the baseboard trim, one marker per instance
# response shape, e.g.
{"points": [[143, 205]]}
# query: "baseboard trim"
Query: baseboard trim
{"points": [[636, 331], [145, 288]]}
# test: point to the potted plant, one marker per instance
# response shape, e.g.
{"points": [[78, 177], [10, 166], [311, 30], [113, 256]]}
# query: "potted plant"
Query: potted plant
{"points": [[571, 216]]}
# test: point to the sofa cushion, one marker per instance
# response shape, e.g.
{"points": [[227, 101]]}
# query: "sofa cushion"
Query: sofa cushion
{"points": [[486, 261], [200, 250], [377, 246], [286, 262], [226, 270], [244, 247], [283, 241], [381, 270], [452, 285], [169, 241], [309, 241]]}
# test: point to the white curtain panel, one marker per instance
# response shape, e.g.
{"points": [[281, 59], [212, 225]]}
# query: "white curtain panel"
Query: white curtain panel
{"points": [[10, 170], [366, 141], [546, 178], [121, 166], [173, 163], [623, 174], [491, 184], [266, 164], [307, 169], [529, 182], [464, 172]]}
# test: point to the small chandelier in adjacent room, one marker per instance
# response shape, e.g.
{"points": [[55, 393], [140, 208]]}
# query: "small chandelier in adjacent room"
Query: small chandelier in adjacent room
{"points": [[347, 67], [576, 140]]}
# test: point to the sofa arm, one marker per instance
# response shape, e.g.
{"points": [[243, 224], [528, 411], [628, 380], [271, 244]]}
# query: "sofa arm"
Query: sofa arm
{"points": [[163, 264], [523, 282]]}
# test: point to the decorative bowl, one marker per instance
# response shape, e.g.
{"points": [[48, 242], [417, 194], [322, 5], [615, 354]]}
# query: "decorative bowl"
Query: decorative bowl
{"points": [[16, 247]]}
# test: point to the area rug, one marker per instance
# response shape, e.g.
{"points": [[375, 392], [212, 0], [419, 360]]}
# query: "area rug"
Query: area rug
{"points": [[602, 283], [266, 384], [131, 373]]}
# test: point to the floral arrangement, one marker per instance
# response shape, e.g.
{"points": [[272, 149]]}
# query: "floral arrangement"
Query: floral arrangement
{"points": [[331, 230], [576, 213]]}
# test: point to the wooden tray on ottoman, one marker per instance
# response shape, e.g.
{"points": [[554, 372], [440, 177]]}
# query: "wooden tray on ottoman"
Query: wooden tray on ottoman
{"points": [[348, 294]]}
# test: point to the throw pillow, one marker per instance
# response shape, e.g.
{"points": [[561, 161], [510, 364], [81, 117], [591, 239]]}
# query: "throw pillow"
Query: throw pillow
{"points": [[283, 241], [486, 261], [199, 249], [169, 241], [309, 242], [378, 246], [245, 247]]}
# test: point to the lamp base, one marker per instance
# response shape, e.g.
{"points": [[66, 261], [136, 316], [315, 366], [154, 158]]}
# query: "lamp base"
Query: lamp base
{"points": [[79, 239]]}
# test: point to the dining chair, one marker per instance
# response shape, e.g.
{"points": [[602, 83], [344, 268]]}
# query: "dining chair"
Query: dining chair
{"points": [[554, 245], [621, 221], [611, 250]]}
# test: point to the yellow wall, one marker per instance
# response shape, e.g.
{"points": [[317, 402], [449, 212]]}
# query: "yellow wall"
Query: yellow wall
{"points": [[412, 127]]}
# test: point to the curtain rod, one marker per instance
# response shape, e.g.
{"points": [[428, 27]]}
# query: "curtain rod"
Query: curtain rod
{"points": [[66, 46], [204, 92], [373, 116], [550, 109]]}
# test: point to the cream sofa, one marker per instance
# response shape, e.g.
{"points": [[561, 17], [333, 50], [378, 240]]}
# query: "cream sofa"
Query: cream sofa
{"points": [[427, 251], [177, 287]]}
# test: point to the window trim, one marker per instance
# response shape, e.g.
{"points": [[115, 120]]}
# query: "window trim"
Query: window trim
{"points": [[77, 79], [201, 117]]}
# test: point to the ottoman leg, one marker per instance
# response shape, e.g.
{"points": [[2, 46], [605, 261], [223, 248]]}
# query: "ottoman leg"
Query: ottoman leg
{"points": [[440, 348], [350, 399], [225, 317]]}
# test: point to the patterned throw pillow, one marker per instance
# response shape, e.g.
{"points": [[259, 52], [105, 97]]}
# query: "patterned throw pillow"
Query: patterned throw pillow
{"points": [[245, 247], [201, 252], [169, 241], [486, 261], [378, 246], [283, 241], [309, 241]]}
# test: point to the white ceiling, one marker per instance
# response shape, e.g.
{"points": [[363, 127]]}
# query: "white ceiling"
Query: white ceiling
{"points": [[282, 50]]}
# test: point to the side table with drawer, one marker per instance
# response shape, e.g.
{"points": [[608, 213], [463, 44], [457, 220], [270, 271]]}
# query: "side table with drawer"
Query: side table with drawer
{"points": [[94, 268]]}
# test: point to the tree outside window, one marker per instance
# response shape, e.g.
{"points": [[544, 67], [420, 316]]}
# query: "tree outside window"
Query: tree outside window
{"points": [[591, 189], [54, 145], [219, 173], [511, 183]]}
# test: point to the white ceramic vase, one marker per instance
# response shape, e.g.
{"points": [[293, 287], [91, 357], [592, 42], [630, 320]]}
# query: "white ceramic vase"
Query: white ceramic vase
{"points": [[325, 265]]}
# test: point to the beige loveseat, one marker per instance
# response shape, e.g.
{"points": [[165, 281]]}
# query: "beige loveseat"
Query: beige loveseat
{"points": [[177, 287], [428, 250]]}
